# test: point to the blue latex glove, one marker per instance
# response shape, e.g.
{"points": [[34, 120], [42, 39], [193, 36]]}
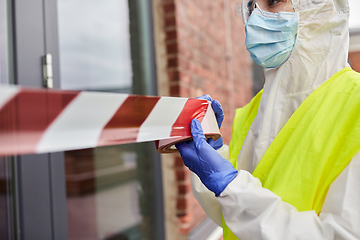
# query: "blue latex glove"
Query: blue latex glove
{"points": [[219, 115], [214, 171]]}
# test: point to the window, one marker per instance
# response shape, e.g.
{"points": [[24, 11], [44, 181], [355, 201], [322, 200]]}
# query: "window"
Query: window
{"points": [[111, 191]]}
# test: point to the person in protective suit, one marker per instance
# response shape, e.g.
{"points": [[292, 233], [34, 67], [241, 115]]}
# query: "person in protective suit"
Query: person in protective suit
{"points": [[294, 165]]}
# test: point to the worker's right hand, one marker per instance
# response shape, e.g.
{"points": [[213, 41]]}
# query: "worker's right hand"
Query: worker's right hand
{"points": [[219, 115], [214, 171]]}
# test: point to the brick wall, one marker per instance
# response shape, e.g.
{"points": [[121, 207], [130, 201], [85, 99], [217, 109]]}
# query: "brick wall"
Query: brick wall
{"points": [[354, 60], [206, 53], [200, 50]]}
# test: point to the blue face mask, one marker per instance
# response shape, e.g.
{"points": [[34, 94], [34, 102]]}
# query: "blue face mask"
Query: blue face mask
{"points": [[270, 37]]}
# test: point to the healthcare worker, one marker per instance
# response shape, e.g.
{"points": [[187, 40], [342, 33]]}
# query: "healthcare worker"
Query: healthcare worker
{"points": [[294, 166]]}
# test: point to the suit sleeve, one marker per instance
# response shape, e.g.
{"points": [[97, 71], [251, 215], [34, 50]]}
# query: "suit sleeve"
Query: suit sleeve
{"points": [[253, 212], [205, 197]]}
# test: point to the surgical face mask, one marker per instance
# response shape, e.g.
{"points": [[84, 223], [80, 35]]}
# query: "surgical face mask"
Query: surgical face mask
{"points": [[270, 37]]}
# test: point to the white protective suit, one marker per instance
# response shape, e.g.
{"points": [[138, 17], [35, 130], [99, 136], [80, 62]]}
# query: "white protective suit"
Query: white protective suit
{"points": [[253, 212]]}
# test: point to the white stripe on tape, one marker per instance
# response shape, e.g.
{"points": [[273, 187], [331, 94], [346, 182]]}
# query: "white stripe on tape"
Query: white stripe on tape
{"points": [[6, 94], [209, 122], [80, 124], [158, 124], [62, 120]]}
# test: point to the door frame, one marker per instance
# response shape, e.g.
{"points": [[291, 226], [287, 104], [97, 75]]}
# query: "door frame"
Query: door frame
{"points": [[40, 210], [39, 179]]}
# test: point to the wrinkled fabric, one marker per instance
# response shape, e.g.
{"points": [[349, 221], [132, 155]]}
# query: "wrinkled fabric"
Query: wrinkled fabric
{"points": [[320, 51], [204, 196], [339, 218], [247, 206], [316, 143], [253, 212], [270, 37]]}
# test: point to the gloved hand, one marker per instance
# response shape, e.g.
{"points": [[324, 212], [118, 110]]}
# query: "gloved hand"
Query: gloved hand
{"points": [[219, 115], [214, 171]]}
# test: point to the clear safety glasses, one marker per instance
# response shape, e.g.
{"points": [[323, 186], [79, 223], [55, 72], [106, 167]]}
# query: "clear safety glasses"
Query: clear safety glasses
{"points": [[247, 7], [275, 6]]}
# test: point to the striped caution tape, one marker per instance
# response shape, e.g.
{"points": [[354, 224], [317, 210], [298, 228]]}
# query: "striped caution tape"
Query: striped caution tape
{"points": [[39, 120]]}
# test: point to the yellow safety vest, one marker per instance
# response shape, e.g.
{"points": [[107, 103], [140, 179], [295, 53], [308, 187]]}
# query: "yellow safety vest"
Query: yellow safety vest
{"points": [[312, 149]]}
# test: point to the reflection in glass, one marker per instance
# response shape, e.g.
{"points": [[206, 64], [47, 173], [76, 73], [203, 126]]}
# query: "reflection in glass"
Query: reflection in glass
{"points": [[110, 190], [94, 42], [106, 197]]}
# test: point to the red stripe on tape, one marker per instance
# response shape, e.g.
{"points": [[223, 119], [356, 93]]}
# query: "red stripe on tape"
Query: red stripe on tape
{"points": [[194, 108], [25, 117], [124, 125]]}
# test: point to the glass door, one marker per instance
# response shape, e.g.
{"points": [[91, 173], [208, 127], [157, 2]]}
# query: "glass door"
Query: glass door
{"points": [[112, 192], [102, 193]]}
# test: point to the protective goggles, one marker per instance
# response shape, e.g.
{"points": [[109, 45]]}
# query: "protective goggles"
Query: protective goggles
{"points": [[274, 6]]}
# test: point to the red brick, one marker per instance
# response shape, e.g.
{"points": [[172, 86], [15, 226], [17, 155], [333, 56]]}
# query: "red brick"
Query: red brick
{"points": [[172, 62], [171, 35], [179, 162], [180, 174], [198, 62], [170, 21], [182, 189], [173, 75], [174, 91], [169, 7], [172, 48], [182, 204], [354, 59]]}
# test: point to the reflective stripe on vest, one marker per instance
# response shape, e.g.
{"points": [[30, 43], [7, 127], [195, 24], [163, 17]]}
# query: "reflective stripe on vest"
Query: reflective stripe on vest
{"points": [[314, 146]]}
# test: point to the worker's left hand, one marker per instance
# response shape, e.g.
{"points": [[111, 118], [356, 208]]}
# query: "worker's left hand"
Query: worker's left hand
{"points": [[213, 170], [219, 115]]}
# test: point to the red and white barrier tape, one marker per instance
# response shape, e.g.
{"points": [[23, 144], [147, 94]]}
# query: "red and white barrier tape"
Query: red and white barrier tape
{"points": [[39, 121]]}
